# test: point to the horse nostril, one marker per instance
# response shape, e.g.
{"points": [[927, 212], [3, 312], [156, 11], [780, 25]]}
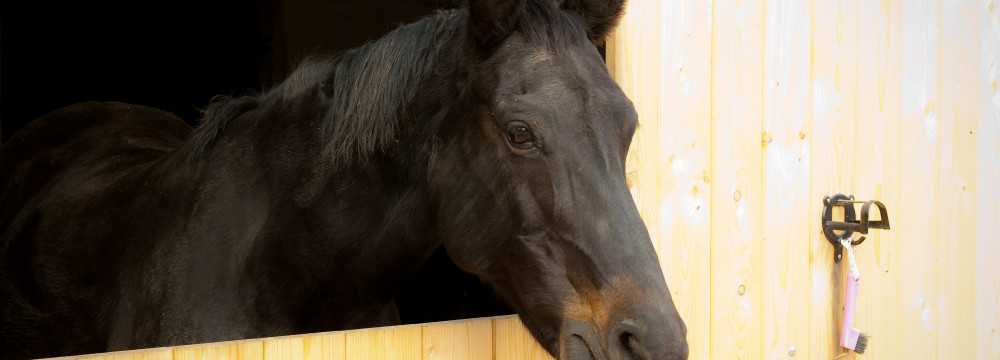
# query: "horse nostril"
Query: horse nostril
{"points": [[633, 348], [634, 342]]}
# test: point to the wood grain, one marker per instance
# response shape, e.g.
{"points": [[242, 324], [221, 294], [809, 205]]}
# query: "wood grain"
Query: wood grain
{"points": [[786, 143], [834, 152], [920, 136], [960, 58], [386, 343], [737, 192], [237, 350], [987, 213], [877, 174], [456, 340], [150, 354], [325, 346], [513, 342]]}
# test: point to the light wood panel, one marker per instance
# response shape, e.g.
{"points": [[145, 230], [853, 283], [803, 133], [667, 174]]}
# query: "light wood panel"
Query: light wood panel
{"points": [[737, 192], [151, 354], [959, 60], [894, 100], [987, 213], [876, 170], [917, 219], [786, 141], [457, 340], [238, 350], [463, 339], [327, 346], [387, 343], [834, 152], [513, 342]]}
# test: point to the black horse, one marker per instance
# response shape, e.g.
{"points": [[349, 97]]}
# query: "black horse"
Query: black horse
{"points": [[493, 131]]}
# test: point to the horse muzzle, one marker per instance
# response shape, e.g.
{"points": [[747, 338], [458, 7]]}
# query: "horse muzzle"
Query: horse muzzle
{"points": [[634, 337]]}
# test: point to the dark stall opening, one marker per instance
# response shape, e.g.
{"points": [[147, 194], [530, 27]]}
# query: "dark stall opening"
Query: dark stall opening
{"points": [[177, 55]]}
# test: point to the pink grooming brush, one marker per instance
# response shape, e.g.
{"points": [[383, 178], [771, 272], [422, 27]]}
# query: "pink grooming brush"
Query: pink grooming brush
{"points": [[851, 338]]}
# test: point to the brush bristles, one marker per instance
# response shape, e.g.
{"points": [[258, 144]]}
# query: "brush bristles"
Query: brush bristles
{"points": [[862, 344]]}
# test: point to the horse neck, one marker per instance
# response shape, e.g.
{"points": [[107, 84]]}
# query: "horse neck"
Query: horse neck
{"points": [[275, 222], [342, 234]]}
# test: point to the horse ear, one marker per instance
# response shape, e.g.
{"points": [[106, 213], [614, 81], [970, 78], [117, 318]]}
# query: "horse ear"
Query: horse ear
{"points": [[491, 21], [602, 15]]}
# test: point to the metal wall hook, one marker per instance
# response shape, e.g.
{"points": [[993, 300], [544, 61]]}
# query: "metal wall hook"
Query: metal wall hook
{"points": [[851, 223]]}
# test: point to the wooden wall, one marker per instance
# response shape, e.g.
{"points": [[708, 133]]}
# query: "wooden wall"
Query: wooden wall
{"points": [[752, 110], [500, 338]]}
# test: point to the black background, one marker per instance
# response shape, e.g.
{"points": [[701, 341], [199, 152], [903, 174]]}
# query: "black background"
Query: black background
{"points": [[175, 55]]}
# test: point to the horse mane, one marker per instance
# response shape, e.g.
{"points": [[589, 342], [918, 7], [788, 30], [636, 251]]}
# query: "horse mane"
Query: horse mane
{"points": [[368, 88], [220, 111]]}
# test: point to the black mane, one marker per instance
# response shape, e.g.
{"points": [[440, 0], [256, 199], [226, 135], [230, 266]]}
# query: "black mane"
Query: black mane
{"points": [[366, 88], [369, 88]]}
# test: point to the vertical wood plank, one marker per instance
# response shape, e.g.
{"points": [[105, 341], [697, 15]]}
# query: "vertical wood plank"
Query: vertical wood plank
{"points": [[661, 57], [876, 171], [834, 106], [681, 211], [149, 354], [988, 176], [919, 167], [960, 57], [242, 350], [386, 343], [737, 194], [785, 241], [325, 346], [457, 340], [512, 341]]}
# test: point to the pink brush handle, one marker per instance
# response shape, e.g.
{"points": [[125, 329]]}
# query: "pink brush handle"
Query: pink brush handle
{"points": [[848, 334]]}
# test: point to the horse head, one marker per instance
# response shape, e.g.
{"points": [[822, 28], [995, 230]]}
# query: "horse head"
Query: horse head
{"points": [[530, 184]]}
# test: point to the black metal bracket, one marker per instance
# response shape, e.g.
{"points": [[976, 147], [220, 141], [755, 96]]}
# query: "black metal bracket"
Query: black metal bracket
{"points": [[851, 222]]}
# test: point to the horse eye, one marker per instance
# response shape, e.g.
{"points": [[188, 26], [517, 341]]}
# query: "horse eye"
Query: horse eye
{"points": [[520, 136]]}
